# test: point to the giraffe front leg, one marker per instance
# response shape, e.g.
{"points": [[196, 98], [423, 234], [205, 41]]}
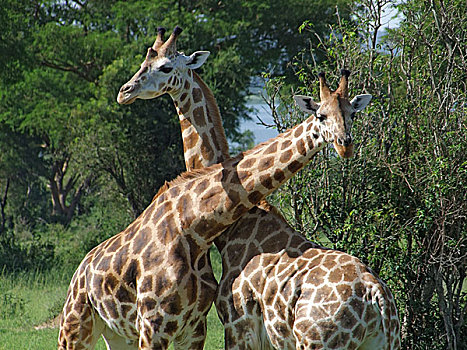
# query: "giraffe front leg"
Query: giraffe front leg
{"points": [[80, 327], [151, 333], [193, 337], [246, 333]]}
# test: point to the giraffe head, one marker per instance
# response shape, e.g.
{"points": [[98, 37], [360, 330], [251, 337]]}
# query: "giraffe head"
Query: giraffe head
{"points": [[335, 112], [162, 70]]}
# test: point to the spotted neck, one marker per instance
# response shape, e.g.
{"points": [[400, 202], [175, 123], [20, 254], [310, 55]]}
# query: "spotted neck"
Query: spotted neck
{"points": [[219, 195], [204, 141]]}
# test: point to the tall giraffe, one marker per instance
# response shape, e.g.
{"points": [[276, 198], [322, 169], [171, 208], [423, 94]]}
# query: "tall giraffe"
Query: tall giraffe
{"points": [[144, 284], [251, 316]]}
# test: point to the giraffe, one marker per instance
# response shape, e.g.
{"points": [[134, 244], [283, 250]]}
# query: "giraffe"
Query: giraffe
{"points": [[143, 285], [262, 236]]}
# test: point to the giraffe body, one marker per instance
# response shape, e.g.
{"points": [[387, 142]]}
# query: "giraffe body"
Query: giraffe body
{"points": [[279, 290], [146, 284], [288, 293]]}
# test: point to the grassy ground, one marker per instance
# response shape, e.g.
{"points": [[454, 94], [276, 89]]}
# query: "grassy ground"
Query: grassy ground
{"points": [[31, 298]]}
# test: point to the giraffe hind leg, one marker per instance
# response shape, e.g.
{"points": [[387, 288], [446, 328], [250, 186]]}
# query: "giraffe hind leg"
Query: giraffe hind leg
{"points": [[114, 341], [378, 341], [79, 331], [194, 337]]}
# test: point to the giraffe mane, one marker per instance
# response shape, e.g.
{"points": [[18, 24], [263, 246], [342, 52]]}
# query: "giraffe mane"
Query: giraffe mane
{"points": [[265, 205], [185, 176], [195, 173], [213, 111]]}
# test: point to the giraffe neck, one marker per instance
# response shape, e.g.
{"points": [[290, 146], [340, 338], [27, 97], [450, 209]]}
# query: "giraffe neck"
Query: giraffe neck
{"points": [[210, 200], [204, 141]]}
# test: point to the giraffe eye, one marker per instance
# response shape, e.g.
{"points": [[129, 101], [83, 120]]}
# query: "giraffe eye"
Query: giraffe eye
{"points": [[352, 115], [165, 69], [321, 117]]}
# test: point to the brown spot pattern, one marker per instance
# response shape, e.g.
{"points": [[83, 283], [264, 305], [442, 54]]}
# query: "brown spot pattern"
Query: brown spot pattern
{"points": [[168, 228], [239, 211], [190, 141], [202, 186], [206, 150], [272, 148], [294, 166], [250, 185], [298, 131], [210, 200], [233, 198], [198, 116], [286, 144], [336, 275], [344, 291], [243, 175], [266, 181], [247, 163], [310, 142], [197, 95], [194, 162], [184, 124], [301, 147], [255, 197], [206, 227], [160, 212], [186, 107], [265, 163], [285, 156], [185, 212], [146, 284], [279, 175], [350, 274]]}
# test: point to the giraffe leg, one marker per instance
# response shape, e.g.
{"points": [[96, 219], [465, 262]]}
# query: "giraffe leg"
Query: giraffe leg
{"points": [[247, 333], [194, 337], [114, 341], [80, 327], [151, 334]]}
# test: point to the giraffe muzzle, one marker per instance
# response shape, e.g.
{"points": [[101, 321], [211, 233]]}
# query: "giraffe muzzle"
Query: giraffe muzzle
{"points": [[127, 88], [125, 96], [347, 141], [344, 146], [344, 151]]}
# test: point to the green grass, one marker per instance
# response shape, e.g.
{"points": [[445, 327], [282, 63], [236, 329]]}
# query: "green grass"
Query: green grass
{"points": [[28, 299]]}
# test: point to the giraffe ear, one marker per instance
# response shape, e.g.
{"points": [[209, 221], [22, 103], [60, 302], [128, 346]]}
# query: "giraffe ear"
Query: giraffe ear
{"points": [[359, 102], [197, 59], [306, 103]]}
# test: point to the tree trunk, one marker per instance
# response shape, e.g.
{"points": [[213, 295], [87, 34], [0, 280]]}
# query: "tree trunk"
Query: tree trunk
{"points": [[3, 205]]}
